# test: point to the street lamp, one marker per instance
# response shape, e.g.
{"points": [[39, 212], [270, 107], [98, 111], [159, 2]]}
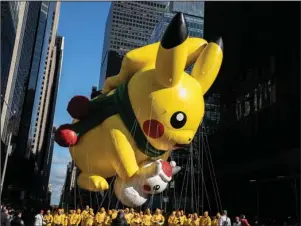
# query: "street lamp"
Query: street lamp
{"points": [[8, 152]]}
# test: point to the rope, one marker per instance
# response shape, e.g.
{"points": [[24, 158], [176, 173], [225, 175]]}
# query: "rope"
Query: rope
{"points": [[192, 174], [202, 170], [199, 166], [203, 182], [210, 172], [213, 172], [96, 194]]}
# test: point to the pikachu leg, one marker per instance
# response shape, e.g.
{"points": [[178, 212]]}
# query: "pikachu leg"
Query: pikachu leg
{"points": [[123, 156], [92, 182]]}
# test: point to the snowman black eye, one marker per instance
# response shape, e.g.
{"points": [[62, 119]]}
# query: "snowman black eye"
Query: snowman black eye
{"points": [[178, 120], [156, 187]]}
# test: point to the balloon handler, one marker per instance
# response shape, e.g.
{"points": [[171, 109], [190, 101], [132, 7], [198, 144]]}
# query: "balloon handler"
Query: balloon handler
{"points": [[151, 108]]}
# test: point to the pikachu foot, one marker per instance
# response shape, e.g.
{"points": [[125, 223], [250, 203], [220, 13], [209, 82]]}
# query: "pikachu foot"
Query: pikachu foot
{"points": [[92, 182]]}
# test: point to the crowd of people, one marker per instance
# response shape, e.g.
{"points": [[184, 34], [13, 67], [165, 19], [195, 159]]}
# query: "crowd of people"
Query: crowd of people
{"points": [[126, 217]]}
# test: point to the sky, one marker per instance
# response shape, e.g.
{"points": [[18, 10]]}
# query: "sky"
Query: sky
{"points": [[83, 26]]}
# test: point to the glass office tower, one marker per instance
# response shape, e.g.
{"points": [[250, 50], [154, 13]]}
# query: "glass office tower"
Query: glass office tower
{"points": [[129, 25], [194, 15]]}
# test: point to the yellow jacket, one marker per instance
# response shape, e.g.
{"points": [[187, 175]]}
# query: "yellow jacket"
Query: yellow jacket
{"points": [[136, 221], [187, 222], [205, 221], [78, 218], [171, 220], [147, 220], [158, 218], [58, 219], [89, 219], [215, 222], [114, 214], [73, 218], [64, 219], [48, 218], [128, 217], [178, 221], [108, 221], [195, 222], [84, 214], [100, 218]]}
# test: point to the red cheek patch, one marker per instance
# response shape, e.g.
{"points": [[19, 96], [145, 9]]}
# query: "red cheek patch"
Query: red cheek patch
{"points": [[153, 128]]}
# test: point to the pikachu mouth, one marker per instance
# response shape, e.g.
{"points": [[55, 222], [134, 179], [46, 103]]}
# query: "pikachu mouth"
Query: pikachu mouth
{"points": [[178, 146]]}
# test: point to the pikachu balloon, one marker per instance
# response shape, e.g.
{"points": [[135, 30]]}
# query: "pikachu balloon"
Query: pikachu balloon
{"points": [[149, 109]]}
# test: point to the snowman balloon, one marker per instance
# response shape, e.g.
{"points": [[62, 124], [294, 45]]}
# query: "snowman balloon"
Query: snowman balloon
{"points": [[135, 192]]}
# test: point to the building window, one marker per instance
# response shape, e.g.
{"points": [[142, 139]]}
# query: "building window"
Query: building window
{"points": [[255, 100], [260, 93], [273, 93], [247, 105], [238, 110]]}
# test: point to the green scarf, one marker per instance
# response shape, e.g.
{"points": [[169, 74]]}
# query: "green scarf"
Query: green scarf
{"points": [[104, 106]]}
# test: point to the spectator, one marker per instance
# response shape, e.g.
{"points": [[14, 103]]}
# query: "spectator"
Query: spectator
{"points": [[224, 220], [243, 220], [119, 220], [237, 222], [11, 213], [4, 217], [17, 221], [39, 219]]}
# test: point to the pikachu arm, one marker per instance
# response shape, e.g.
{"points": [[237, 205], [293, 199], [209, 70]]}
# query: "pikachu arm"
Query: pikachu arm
{"points": [[152, 168], [123, 155], [146, 56]]}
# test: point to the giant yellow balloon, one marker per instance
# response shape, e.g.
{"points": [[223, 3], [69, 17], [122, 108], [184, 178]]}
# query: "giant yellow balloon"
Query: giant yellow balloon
{"points": [[149, 109]]}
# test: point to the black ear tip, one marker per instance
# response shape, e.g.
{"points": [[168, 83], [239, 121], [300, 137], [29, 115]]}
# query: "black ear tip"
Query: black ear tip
{"points": [[219, 42], [179, 16], [176, 32]]}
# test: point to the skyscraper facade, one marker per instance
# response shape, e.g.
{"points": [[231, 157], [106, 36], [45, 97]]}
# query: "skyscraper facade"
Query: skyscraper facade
{"points": [[129, 25], [9, 18], [258, 142], [20, 67], [35, 72], [46, 138], [26, 79], [194, 15]]}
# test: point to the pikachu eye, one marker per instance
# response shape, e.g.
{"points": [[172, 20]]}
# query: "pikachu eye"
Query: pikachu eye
{"points": [[178, 120]]}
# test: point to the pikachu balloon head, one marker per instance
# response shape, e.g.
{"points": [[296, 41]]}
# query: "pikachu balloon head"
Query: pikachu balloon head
{"points": [[169, 103]]}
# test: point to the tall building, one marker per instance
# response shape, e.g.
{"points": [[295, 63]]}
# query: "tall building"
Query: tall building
{"points": [[9, 18], [19, 63], [34, 83], [66, 194], [257, 148], [43, 138], [129, 25], [194, 15]]}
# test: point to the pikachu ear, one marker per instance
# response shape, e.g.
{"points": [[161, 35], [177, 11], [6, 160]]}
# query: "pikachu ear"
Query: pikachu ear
{"points": [[172, 53], [207, 65]]}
